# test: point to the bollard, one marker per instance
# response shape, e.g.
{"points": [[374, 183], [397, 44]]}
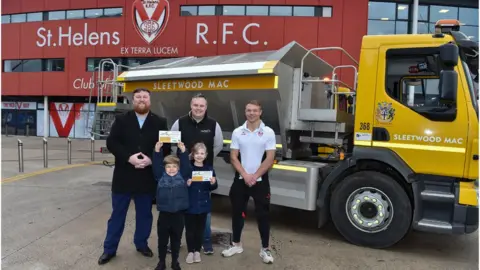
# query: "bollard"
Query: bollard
{"points": [[27, 130], [45, 154], [69, 151], [6, 130], [20, 156], [92, 148]]}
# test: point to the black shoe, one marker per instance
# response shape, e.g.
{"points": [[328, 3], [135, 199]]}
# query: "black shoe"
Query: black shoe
{"points": [[105, 258], [176, 265], [161, 266], [147, 252]]}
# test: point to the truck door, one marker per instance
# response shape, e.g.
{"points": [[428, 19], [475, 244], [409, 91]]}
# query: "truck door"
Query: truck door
{"points": [[429, 134]]}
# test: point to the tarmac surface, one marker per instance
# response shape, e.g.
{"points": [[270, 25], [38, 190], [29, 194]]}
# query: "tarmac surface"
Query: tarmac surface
{"points": [[56, 218]]}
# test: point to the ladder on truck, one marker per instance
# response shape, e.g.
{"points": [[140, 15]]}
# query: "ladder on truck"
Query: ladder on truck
{"points": [[344, 99], [107, 91]]}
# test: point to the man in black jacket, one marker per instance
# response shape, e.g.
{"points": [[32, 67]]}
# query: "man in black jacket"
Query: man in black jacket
{"points": [[197, 126], [131, 140]]}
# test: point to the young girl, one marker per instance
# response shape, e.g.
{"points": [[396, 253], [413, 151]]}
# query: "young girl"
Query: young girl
{"points": [[200, 203]]}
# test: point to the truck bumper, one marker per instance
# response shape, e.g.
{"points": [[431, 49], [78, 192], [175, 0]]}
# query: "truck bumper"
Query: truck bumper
{"points": [[447, 206]]}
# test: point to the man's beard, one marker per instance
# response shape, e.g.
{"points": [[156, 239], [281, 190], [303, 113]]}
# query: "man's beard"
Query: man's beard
{"points": [[141, 110]]}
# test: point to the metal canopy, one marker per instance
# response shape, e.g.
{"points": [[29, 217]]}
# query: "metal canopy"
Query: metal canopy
{"points": [[228, 65]]}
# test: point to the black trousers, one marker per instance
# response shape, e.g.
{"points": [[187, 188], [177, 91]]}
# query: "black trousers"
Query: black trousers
{"points": [[239, 196], [195, 227], [169, 227]]}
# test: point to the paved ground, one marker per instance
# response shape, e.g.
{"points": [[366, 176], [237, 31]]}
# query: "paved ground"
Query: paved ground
{"points": [[57, 220]]}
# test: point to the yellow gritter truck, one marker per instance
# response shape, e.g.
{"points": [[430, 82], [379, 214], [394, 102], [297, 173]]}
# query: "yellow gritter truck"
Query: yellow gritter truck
{"points": [[402, 134]]}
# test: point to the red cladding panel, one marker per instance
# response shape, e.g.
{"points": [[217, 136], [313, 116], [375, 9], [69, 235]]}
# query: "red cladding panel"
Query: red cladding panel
{"points": [[11, 7], [202, 44], [56, 4], [30, 83], [113, 3], [11, 41], [29, 5], [268, 33], [28, 36], [55, 83], [76, 4], [11, 84]]}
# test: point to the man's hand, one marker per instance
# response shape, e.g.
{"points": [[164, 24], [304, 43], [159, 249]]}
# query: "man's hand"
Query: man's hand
{"points": [[189, 182], [134, 160], [146, 161], [213, 180], [249, 179]]}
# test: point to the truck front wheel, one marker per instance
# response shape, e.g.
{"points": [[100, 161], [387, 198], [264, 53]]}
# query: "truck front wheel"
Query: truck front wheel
{"points": [[371, 209]]}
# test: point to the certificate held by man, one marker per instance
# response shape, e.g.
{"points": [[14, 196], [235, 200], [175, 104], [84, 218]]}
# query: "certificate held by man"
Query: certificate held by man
{"points": [[167, 136], [200, 176]]}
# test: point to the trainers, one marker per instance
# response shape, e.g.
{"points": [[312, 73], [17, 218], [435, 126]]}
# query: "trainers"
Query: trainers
{"points": [[196, 257], [232, 250], [207, 251], [189, 258], [161, 266], [266, 255]]}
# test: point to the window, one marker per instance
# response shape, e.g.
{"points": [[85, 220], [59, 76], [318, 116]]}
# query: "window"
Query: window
{"points": [[206, 10], [93, 63], [54, 65], [280, 11], [257, 10], [19, 18], [113, 12], [56, 15], [5, 18], [93, 13], [376, 27], [254, 10], [412, 78], [326, 12], [33, 65], [381, 11], [402, 12], [233, 10], [35, 17], [133, 62], [12, 65], [188, 10], [304, 11], [75, 14], [442, 12]]}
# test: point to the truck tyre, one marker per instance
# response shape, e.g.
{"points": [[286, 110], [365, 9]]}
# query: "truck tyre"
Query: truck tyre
{"points": [[371, 209]]}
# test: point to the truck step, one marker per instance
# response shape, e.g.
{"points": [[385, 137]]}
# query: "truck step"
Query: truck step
{"points": [[437, 196], [431, 225]]}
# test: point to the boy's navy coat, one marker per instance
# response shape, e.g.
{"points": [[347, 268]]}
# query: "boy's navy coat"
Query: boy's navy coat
{"points": [[172, 191], [199, 193]]}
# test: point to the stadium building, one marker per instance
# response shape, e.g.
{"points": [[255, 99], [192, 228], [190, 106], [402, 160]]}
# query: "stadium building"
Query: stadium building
{"points": [[50, 48]]}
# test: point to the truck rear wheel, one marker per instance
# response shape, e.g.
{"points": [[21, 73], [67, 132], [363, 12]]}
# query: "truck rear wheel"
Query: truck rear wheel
{"points": [[371, 209]]}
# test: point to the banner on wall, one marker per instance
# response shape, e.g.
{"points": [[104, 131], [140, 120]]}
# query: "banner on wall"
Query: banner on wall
{"points": [[67, 119]]}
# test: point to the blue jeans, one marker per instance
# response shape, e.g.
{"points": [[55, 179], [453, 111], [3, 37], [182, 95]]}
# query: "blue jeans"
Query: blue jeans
{"points": [[207, 241], [116, 223]]}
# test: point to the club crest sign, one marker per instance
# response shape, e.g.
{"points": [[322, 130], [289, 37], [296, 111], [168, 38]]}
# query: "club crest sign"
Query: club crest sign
{"points": [[150, 18]]}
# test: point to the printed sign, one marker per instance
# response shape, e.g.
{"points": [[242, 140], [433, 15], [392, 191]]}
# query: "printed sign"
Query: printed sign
{"points": [[12, 105], [167, 136], [202, 175], [234, 83]]}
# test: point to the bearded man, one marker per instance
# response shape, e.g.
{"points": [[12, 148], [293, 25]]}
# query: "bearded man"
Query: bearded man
{"points": [[131, 140]]}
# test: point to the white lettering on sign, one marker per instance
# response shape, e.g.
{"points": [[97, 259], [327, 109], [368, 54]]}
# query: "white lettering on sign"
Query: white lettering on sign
{"points": [[202, 30], [431, 139], [84, 38], [150, 50]]}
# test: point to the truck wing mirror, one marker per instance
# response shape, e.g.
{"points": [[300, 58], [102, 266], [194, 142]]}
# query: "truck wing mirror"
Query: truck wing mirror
{"points": [[449, 55], [448, 85]]}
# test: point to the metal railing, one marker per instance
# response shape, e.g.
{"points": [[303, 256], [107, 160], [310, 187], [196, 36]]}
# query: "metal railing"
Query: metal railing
{"points": [[21, 159]]}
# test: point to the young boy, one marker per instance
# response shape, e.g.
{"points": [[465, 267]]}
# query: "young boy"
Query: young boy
{"points": [[171, 174]]}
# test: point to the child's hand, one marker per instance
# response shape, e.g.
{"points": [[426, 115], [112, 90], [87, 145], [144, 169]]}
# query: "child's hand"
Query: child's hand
{"points": [[181, 145], [158, 146], [213, 180], [189, 182]]}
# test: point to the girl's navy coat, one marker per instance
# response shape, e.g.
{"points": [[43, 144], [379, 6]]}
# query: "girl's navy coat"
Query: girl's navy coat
{"points": [[199, 193], [172, 191]]}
